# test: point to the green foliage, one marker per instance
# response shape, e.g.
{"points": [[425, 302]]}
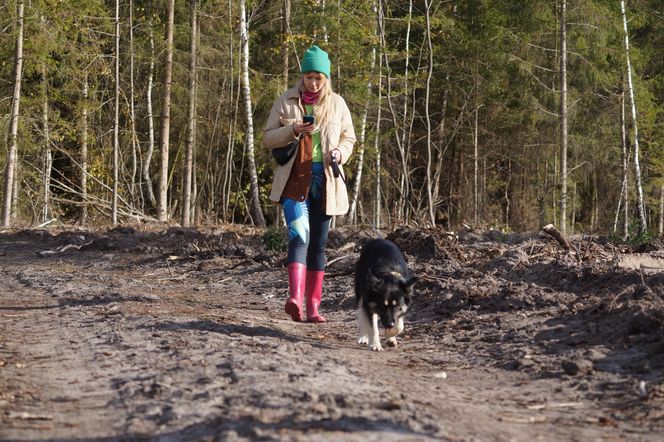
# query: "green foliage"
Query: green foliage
{"points": [[497, 59], [275, 239], [636, 237]]}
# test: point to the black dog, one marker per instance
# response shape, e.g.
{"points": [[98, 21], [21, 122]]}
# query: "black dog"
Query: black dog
{"points": [[384, 288]]}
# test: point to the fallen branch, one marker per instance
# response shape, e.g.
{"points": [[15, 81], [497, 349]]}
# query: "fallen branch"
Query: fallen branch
{"points": [[175, 278], [28, 416], [332, 261], [522, 419], [44, 224], [337, 274], [555, 405], [553, 232], [45, 253]]}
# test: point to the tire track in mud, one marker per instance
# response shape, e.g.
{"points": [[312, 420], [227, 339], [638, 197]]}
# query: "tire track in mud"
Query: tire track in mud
{"points": [[96, 369], [120, 346], [56, 358]]}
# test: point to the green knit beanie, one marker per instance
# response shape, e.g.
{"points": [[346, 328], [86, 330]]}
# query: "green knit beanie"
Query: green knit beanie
{"points": [[316, 60]]}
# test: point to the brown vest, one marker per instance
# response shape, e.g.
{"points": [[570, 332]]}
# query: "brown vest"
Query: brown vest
{"points": [[299, 180]]}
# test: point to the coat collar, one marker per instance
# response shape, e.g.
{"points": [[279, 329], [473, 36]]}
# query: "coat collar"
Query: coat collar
{"points": [[293, 93]]}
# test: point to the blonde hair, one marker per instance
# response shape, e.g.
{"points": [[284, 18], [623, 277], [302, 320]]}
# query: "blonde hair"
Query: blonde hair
{"points": [[324, 109]]}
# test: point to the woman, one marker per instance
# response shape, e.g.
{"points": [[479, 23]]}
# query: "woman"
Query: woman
{"points": [[306, 186]]}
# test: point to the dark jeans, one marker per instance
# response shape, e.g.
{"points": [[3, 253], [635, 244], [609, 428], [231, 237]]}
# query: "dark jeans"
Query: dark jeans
{"points": [[308, 225]]}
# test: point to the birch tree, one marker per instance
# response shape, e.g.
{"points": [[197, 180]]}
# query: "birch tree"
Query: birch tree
{"points": [[361, 141], [285, 37], [254, 202], [48, 156], [660, 229], [228, 169], [624, 190], [359, 154], [643, 227], [476, 190], [191, 140], [404, 184], [132, 107], [563, 116], [400, 127], [166, 115], [116, 123], [377, 191], [10, 166], [84, 151], [147, 180], [429, 183]]}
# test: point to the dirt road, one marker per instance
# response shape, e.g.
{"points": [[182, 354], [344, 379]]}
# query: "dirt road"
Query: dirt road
{"points": [[180, 335]]}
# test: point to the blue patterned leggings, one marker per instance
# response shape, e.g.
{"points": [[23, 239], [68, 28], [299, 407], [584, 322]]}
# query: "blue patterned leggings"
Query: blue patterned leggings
{"points": [[308, 225]]}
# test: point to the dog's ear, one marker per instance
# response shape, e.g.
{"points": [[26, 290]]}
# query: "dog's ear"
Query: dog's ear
{"points": [[407, 286], [374, 282]]}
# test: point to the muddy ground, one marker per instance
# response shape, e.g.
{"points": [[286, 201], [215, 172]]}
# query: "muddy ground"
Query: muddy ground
{"points": [[180, 334]]}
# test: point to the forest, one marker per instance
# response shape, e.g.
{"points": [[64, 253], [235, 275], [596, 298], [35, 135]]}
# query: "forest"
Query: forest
{"points": [[489, 113]]}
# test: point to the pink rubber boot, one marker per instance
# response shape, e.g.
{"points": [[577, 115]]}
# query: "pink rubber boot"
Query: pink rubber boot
{"points": [[313, 295], [296, 286]]}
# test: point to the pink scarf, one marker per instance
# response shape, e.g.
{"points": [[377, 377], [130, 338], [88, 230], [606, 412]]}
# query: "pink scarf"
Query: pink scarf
{"points": [[309, 97]]}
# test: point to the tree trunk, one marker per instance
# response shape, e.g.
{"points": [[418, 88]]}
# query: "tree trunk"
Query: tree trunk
{"points": [[660, 230], [10, 167], [563, 117], [285, 65], [116, 123], [132, 107], [643, 227], [624, 190], [626, 154], [352, 212], [191, 140], [254, 202], [229, 169], [285, 33], [429, 184], [405, 183], [377, 192], [166, 115], [84, 153], [476, 191], [438, 168], [399, 207], [48, 156], [573, 211], [147, 180], [194, 190]]}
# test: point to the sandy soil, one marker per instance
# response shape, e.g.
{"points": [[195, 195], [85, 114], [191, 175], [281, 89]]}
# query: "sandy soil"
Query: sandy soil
{"points": [[180, 335]]}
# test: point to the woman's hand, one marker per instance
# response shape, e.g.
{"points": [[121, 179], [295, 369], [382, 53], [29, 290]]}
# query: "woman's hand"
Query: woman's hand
{"points": [[302, 128], [336, 156]]}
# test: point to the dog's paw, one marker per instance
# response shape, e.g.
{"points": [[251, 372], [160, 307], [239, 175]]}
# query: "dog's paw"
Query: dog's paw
{"points": [[376, 347], [363, 339], [392, 342]]}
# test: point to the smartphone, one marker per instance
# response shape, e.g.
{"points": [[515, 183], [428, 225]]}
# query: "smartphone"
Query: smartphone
{"points": [[309, 119]]}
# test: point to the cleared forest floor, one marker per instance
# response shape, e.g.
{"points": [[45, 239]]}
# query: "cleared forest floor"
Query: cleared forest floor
{"points": [[180, 334]]}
